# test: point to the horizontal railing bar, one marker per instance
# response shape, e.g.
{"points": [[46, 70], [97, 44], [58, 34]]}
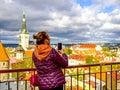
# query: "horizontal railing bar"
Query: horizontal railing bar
{"points": [[17, 70], [15, 80], [89, 65], [74, 66]]}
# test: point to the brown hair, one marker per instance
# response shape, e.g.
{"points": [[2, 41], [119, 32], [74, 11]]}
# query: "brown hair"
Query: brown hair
{"points": [[40, 37]]}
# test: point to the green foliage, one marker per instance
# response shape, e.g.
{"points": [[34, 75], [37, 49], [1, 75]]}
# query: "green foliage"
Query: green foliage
{"points": [[105, 49], [67, 50], [96, 60], [89, 60], [26, 63], [107, 52]]}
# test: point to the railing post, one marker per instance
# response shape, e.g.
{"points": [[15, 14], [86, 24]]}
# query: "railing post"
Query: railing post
{"points": [[8, 85], [111, 75], [84, 81], [95, 81], [100, 76], [89, 77], [71, 82], [17, 81], [77, 80], [64, 75], [116, 79], [106, 80], [25, 84]]}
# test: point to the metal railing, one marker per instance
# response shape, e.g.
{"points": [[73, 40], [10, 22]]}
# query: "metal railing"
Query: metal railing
{"points": [[103, 76]]}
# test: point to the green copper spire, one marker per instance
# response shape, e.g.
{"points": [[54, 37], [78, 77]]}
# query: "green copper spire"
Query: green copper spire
{"points": [[23, 29]]}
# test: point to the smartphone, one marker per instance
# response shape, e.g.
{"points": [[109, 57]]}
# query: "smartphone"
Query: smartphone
{"points": [[59, 46]]}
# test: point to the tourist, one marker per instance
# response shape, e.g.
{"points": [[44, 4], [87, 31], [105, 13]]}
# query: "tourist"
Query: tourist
{"points": [[48, 62]]}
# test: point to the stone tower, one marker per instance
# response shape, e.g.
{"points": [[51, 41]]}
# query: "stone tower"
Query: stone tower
{"points": [[24, 35]]}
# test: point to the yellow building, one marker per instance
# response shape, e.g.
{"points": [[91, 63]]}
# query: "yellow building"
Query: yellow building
{"points": [[4, 62]]}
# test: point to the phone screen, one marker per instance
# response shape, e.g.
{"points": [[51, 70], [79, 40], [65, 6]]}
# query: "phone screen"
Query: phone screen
{"points": [[59, 46]]}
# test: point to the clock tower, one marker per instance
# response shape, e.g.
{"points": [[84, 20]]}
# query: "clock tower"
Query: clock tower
{"points": [[24, 35]]}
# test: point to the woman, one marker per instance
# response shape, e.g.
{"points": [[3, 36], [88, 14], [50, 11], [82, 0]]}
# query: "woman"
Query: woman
{"points": [[48, 62]]}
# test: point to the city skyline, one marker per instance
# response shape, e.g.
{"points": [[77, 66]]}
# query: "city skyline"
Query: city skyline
{"points": [[83, 21]]}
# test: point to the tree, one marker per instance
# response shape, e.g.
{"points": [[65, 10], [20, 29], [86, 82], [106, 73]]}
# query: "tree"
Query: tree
{"points": [[67, 50], [105, 49], [89, 60]]}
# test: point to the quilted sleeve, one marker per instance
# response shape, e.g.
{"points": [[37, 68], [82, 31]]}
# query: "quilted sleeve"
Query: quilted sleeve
{"points": [[61, 60]]}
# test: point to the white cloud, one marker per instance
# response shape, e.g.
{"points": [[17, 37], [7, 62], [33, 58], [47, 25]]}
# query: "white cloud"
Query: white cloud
{"points": [[102, 16], [8, 1], [65, 20], [110, 26]]}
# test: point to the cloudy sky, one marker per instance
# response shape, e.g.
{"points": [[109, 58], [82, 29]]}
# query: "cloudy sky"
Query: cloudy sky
{"points": [[83, 21]]}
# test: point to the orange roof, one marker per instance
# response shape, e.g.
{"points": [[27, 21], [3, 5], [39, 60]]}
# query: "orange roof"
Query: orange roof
{"points": [[28, 53], [77, 57], [3, 54], [87, 45]]}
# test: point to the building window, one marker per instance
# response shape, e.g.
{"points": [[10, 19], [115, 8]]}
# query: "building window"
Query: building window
{"points": [[3, 64]]}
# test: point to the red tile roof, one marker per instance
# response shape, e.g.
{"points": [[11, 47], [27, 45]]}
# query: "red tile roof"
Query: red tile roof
{"points": [[77, 57], [88, 46]]}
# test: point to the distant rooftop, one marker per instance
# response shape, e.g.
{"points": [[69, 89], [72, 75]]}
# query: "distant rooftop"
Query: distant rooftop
{"points": [[3, 54]]}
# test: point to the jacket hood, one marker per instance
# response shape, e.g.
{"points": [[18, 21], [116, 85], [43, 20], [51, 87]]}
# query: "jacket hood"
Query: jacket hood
{"points": [[42, 51]]}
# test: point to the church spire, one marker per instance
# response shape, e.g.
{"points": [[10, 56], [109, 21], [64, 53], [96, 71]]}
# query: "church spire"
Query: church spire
{"points": [[23, 29], [24, 35]]}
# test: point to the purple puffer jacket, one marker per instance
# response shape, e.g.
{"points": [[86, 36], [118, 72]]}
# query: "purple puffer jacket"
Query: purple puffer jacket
{"points": [[49, 70]]}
